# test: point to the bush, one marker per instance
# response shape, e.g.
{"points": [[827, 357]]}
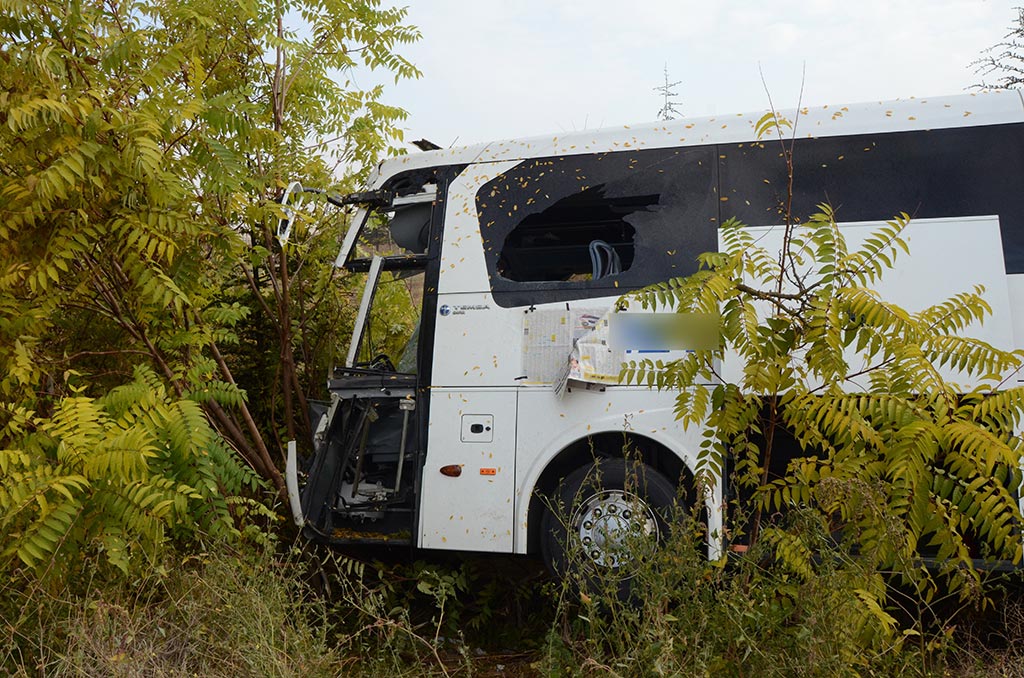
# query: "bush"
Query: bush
{"points": [[689, 616], [103, 485]]}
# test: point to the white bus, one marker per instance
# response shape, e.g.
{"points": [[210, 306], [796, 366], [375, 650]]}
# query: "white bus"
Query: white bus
{"points": [[517, 250]]}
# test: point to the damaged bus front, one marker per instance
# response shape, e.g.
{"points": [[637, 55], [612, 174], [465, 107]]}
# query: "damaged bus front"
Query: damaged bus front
{"points": [[362, 477]]}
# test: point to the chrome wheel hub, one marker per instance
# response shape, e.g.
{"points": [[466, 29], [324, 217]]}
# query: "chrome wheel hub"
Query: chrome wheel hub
{"points": [[611, 525]]}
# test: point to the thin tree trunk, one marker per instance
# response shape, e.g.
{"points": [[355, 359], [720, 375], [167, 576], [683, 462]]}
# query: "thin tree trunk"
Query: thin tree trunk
{"points": [[234, 434], [769, 441], [254, 432]]}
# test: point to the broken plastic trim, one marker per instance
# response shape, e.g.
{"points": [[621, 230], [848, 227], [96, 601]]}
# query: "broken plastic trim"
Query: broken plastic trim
{"points": [[364, 309], [284, 224], [358, 220], [291, 475]]}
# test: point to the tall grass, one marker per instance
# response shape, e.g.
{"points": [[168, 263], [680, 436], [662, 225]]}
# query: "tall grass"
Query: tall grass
{"points": [[252, 612], [224, 613], [264, 611]]}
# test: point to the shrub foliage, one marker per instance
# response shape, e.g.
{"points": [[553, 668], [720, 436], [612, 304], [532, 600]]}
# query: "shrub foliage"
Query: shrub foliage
{"points": [[116, 477], [901, 463], [142, 288]]}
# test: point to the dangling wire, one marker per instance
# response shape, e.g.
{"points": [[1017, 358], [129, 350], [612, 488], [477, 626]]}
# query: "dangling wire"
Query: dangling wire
{"points": [[604, 260]]}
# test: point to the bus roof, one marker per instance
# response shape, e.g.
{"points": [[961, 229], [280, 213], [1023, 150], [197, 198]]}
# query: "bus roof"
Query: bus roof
{"points": [[964, 110]]}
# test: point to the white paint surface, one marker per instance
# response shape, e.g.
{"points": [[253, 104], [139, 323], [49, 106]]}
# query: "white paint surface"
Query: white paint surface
{"points": [[947, 257]]}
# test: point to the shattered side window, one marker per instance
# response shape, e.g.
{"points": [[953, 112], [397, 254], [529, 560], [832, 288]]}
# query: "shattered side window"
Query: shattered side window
{"points": [[575, 227], [585, 236]]}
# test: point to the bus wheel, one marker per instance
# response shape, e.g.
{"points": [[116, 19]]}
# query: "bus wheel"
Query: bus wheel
{"points": [[606, 517]]}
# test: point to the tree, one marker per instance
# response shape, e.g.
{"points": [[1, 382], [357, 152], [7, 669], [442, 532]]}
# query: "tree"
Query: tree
{"points": [[118, 475], [668, 110], [907, 463], [1005, 59], [311, 121], [142, 146]]}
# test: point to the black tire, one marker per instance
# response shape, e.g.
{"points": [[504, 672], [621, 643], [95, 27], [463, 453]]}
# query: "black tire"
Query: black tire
{"points": [[603, 492]]}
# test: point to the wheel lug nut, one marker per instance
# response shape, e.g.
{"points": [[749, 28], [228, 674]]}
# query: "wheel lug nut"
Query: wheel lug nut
{"points": [[627, 514], [595, 554], [597, 513], [586, 541], [612, 509], [587, 525]]}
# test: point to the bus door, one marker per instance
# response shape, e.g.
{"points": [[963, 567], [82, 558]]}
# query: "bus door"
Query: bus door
{"points": [[362, 478]]}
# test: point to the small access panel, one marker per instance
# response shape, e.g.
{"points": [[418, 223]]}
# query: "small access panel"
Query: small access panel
{"points": [[477, 428]]}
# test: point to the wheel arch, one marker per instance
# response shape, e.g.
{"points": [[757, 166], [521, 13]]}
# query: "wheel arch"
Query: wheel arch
{"points": [[607, 444]]}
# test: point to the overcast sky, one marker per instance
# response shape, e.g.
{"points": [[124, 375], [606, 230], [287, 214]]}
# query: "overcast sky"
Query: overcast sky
{"points": [[497, 69]]}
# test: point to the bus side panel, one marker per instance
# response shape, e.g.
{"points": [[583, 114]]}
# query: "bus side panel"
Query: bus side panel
{"points": [[947, 256], [548, 424], [1015, 290], [476, 343], [471, 508], [462, 252]]}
